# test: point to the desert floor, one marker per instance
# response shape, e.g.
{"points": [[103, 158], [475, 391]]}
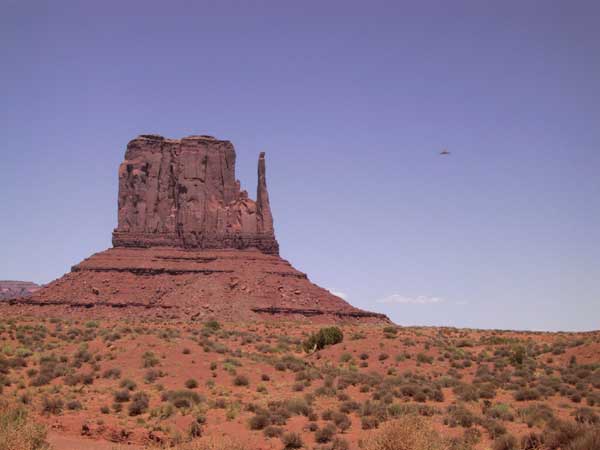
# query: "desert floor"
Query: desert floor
{"points": [[100, 385]]}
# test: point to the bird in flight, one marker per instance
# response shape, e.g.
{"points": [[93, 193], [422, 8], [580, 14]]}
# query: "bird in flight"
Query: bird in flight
{"points": [[445, 152]]}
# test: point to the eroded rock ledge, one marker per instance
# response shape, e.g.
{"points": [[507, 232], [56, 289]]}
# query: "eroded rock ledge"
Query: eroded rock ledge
{"points": [[184, 193]]}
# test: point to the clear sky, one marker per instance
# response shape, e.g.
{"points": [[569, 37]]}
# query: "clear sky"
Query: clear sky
{"points": [[352, 101]]}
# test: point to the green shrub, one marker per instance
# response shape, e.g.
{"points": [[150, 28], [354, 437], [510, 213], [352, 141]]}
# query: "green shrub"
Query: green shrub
{"points": [[323, 338], [191, 384]]}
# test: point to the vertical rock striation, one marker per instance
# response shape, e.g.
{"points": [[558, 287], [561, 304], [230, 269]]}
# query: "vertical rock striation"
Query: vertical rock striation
{"points": [[183, 221], [183, 193]]}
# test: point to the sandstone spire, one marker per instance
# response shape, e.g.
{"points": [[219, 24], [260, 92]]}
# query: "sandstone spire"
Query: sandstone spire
{"points": [[263, 206]]}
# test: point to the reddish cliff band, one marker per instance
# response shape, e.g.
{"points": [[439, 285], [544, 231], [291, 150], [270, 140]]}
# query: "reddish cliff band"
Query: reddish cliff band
{"points": [[190, 244]]}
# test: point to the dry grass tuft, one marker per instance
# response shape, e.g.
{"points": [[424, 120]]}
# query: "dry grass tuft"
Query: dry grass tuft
{"points": [[17, 432], [407, 433]]}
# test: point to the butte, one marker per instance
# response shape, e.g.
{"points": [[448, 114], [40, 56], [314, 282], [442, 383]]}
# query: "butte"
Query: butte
{"points": [[190, 244]]}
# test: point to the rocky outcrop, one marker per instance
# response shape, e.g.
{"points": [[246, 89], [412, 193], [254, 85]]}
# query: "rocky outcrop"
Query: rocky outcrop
{"points": [[15, 289], [190, 244], [232, 284], [183, 193]]}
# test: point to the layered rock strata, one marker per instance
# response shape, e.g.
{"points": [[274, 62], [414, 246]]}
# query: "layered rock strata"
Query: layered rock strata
{"points": [[13, 289], [230, 284], [190, 244], [183, 193]]}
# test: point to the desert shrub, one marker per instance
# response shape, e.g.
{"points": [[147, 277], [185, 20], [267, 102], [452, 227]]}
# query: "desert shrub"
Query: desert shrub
{"points": [[369, 422], [114, 373], [339, 444], [182, 399], [74, 405], [323, 338], [212, 325], [52, 405], [149, 359], [466, 392], [139, 404], [259, 421], [342, 421], [295, 406], [424, 359], [472, 436], [461, 416], [163, 411], [532, 441], [345, 357], [191, 383], [272, 431], [406, 433], [291, 441], [494, 428], [586, 416], [589, 439], [505, 442], [500, 411], [128, 384], [17, 431], [349, 406], [535, 414], [325, 434], [524, 394], [241, 380], [195, 430], [122, 396]]}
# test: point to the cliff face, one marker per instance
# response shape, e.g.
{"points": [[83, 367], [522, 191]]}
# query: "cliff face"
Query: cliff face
{"points": [[189, 244], [183, 193]]}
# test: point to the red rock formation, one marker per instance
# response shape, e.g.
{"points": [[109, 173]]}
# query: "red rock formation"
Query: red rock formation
{"points": [[14, 289], [232, 284], [183, 193], [189, 243]]}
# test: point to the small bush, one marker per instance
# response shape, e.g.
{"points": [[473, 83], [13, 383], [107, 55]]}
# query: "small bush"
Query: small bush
{"points": [[505, 442], [128, 384], [291, 441], [259, 421], [52, 405], [325, 434], [241, 380], [406, 433], [191, 384], [122, 396], [323, 338], [139, 404], [272, 431], [17, 431], [114, 373]]}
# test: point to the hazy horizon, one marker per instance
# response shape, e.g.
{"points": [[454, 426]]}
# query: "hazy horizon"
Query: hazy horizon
{"points": [[352, 104]]}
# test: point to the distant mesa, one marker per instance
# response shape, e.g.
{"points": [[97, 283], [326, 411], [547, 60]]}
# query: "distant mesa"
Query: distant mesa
{"points": [[190, 243], [17, 289]]}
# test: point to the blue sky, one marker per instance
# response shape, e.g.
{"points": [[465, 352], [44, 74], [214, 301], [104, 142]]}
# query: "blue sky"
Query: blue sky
{"points": [[352, 101]]}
